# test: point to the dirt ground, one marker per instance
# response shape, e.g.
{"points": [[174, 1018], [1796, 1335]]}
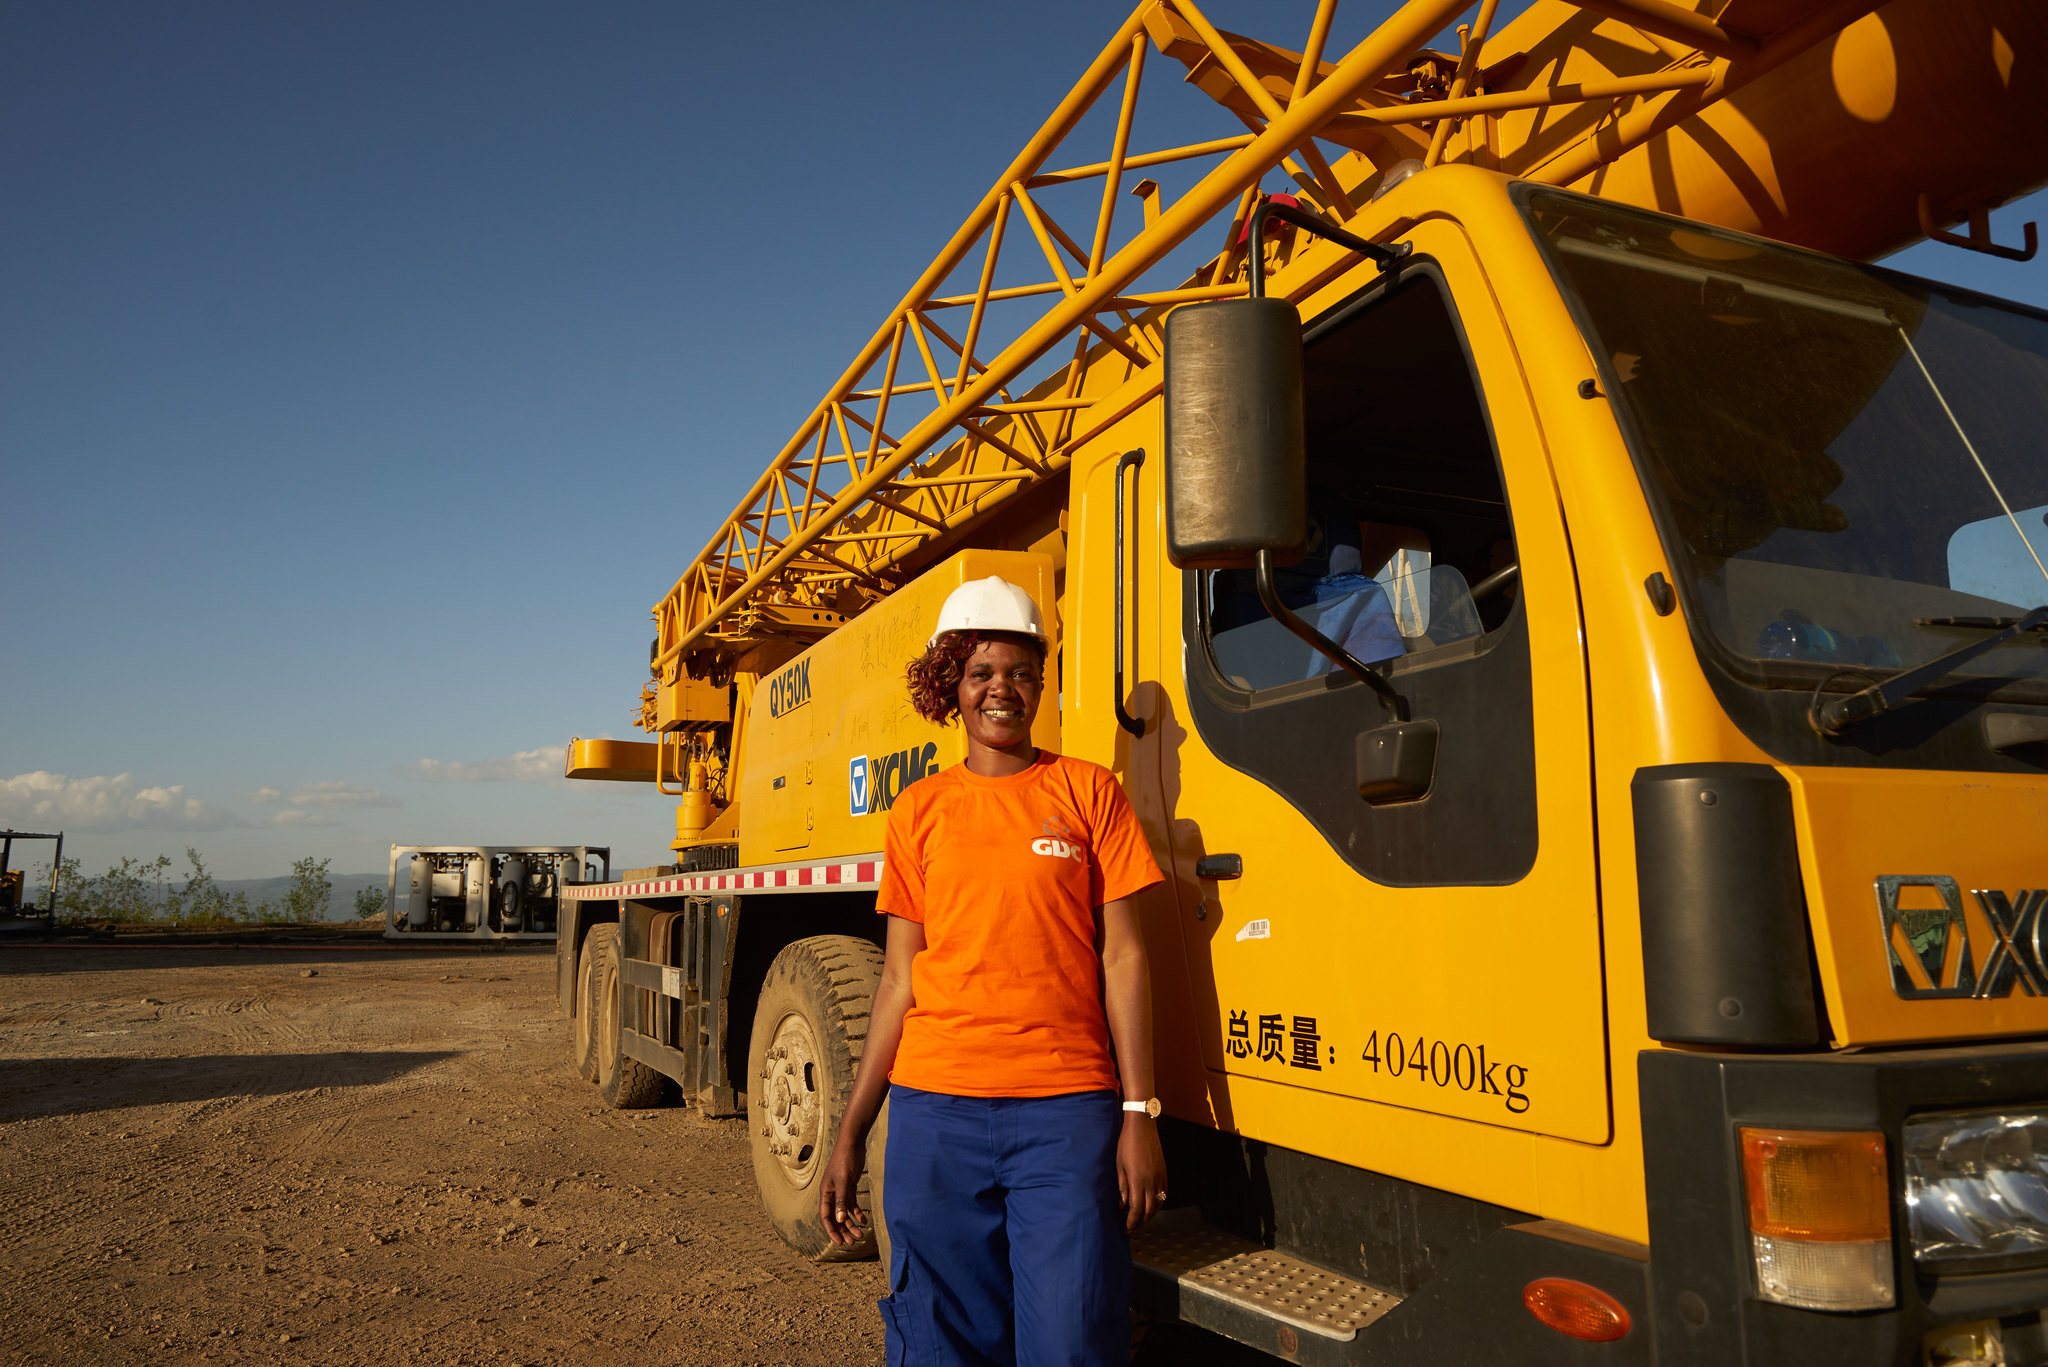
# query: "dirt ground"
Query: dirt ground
{"points": [[335, 1156]]}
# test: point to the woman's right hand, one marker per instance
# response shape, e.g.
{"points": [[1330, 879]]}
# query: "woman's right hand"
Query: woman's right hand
{"points": [[839, 1194], [839, 1197]]}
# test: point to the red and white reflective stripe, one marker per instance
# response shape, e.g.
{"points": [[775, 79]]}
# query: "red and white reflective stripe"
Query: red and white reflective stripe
{"points": [[862, 873]]}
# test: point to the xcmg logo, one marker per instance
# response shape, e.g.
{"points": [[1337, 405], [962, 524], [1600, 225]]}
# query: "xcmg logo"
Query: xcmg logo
{"points": [[1929, 946], [873, 785], [790, 689]]}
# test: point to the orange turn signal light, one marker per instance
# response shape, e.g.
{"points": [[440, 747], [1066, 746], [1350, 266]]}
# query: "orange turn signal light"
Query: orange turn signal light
{"points": [[1574, 1308], [1821, 1186]]}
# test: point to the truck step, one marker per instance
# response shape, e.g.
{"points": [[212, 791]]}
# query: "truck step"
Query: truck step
{"points": [[1195, 1272]]}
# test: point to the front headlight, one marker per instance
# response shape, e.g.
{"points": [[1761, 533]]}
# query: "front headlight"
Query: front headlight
{"points": [[1977, 1189]]}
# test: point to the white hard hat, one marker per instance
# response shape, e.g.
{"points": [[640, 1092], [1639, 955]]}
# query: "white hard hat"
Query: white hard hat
{"points": [[991, 604]]}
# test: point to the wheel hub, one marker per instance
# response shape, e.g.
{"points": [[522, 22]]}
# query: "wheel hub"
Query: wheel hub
{"points": [[790, 1076]]}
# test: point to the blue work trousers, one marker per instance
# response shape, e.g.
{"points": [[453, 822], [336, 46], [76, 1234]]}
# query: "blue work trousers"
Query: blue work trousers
{"points": [[1007, 1236]]}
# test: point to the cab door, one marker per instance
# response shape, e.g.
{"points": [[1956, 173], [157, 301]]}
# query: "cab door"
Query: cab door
{"points": [[1116, 629], [1440, 955]]}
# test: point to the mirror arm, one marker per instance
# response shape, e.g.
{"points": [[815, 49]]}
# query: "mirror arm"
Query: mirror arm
{"points": [[1396, 705], [1372, 251]]}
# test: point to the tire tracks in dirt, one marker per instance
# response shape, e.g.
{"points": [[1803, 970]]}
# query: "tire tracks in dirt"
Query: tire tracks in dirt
{"points": [[368, 1164]]}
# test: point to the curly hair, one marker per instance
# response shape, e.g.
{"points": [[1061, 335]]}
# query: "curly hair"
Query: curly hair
{"points": [[934, 677]]}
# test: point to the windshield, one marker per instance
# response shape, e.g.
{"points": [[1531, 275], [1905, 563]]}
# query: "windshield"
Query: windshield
{"points": [[1854, 463]]}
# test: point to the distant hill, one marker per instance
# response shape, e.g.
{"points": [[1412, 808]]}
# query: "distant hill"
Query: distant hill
{"points": [[340, 906], [341, 902]]}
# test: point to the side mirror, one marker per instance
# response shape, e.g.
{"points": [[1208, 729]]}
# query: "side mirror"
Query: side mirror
{"points": [[1236, 463], [1237, 482]]}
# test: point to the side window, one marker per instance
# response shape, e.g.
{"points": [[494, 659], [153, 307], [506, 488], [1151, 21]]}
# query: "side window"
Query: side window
{"points": [[1411, 566], [1411, 551]]}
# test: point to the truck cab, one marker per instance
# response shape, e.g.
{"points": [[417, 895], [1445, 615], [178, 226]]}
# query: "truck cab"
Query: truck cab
{"points": [[1632, 538]]}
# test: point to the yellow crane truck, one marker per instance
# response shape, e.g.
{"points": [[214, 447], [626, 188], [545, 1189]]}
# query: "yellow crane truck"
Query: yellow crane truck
{"points": [[1572, 632]]}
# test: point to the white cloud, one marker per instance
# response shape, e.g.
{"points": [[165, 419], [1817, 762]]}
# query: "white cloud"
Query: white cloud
{"points": [[46, 799], [527, 766], [294, 817], [328, 793], [338, 794]]}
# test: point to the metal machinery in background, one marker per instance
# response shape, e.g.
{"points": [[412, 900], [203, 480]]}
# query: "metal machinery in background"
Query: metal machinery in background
{"points": [[12, 887], [485, 892]]}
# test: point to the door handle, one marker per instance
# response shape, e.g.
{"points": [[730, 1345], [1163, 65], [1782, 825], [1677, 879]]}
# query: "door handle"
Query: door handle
{"points": [[1130, 460]]}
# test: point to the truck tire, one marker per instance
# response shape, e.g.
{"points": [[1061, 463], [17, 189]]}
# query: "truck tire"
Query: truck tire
{"points": [[623, 1084], [810, 1026], [583, 1030], [877, 1205]]}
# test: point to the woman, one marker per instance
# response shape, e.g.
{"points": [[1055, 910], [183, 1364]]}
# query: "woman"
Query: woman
{"points": [[1012, 1029]]}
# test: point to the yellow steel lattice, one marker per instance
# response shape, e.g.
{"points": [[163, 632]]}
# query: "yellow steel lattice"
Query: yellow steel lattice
{"points": [[832, 521]]}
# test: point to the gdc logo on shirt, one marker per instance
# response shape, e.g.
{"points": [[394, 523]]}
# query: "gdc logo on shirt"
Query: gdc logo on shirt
{"points": [[1053, 845]]}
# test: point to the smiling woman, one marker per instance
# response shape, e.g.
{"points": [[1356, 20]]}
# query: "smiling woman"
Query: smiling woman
{"points": [[1014, 1007]]}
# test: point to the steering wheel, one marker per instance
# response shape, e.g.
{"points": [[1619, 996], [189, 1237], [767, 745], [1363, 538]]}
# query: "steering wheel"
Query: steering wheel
{"points": [[1495, 582]]}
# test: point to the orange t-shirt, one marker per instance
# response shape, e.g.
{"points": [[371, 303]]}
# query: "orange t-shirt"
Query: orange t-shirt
{"points": [[1005, 874]]}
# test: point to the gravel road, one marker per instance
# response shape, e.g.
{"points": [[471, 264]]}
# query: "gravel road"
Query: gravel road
{"points": [[333, 1156], [207, 1155]]}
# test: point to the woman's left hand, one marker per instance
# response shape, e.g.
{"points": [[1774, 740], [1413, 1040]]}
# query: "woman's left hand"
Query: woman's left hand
{"points": [[1140, 1170]]}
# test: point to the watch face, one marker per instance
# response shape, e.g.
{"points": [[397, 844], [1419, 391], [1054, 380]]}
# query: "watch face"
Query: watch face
{"points": [[1152, 1107]]}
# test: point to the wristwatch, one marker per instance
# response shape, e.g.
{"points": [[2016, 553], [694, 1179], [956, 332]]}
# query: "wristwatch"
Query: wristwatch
{"points": [[1150, 1106]]}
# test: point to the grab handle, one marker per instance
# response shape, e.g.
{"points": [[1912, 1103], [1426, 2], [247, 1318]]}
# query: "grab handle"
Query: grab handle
{"points": [[1129, 460], [661, 760]]}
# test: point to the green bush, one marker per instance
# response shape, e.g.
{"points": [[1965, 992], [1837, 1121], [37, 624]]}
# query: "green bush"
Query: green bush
{"points": [[306, 899], [369, 904], [136, 890], [201, 901], [132, 890]]}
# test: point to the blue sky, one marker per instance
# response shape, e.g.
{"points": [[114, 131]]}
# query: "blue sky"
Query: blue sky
{"points": [[368, 370]]}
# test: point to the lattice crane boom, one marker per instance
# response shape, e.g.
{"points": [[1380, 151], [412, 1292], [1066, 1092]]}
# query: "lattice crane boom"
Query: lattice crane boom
{"points": [[746, 548], [1571, 90]]}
